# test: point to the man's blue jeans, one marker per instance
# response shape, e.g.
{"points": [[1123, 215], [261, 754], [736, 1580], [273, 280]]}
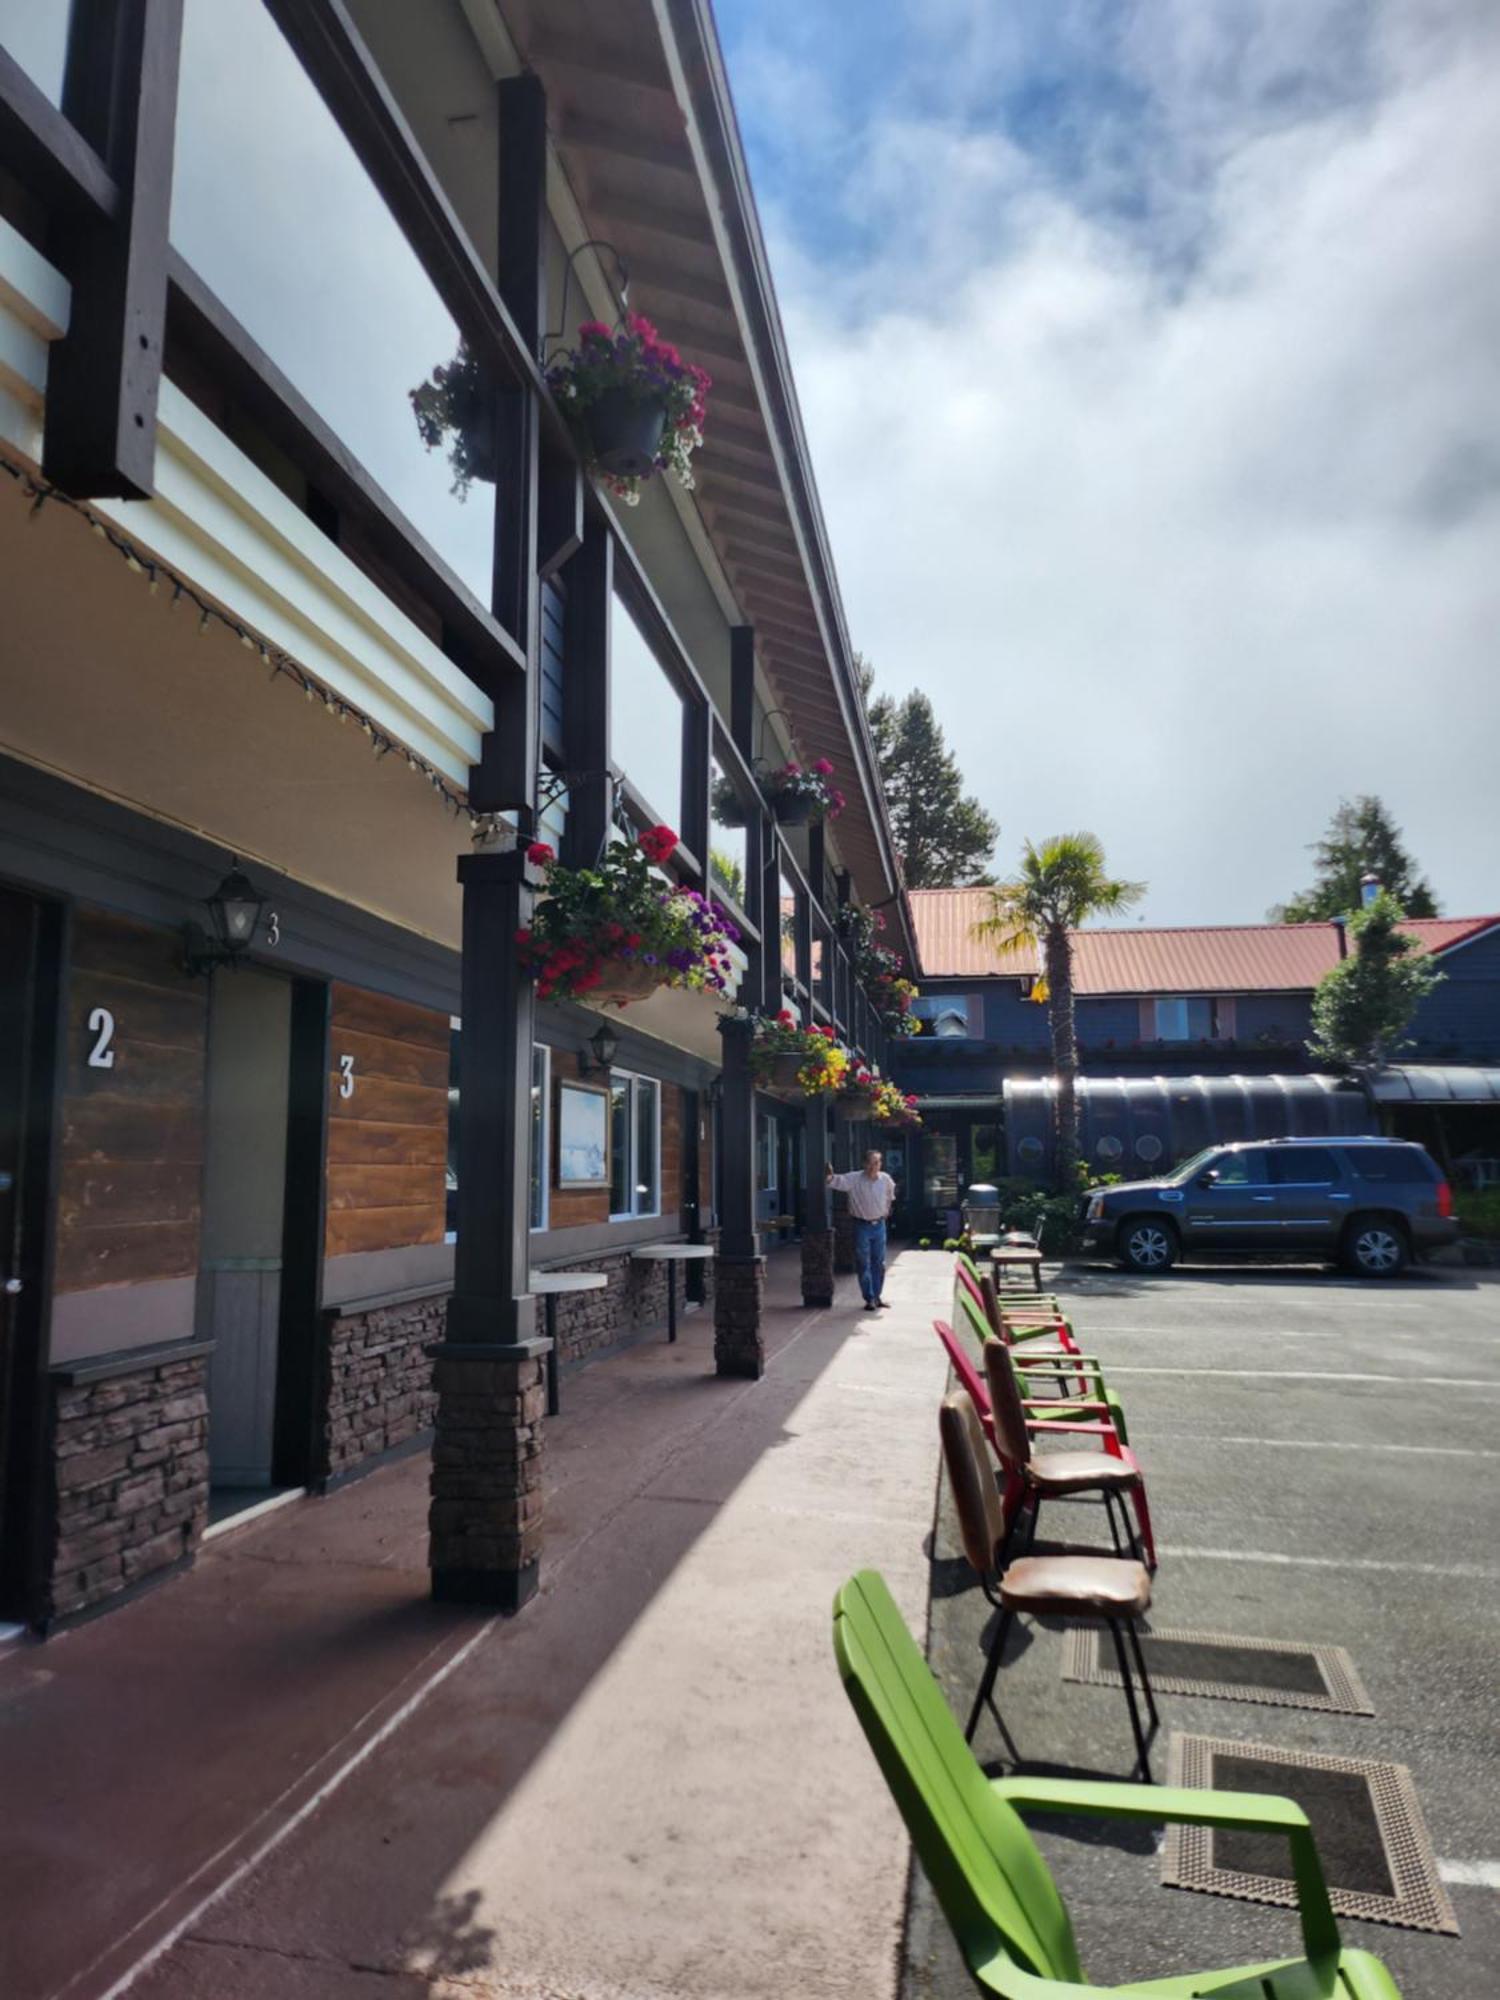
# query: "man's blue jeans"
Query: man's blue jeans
{"points": [[869, 1257]]}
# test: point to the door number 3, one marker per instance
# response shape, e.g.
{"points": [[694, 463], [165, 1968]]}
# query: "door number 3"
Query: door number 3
{"points": [[346, 1075], [102, 1028]]}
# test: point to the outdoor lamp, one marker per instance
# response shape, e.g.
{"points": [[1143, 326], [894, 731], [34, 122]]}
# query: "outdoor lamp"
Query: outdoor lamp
{"points": [[605, 1044], [234, 911]]}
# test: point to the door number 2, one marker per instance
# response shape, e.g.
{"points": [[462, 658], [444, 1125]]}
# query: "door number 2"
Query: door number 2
{"points": [[102, 1028], [346, 1075]]}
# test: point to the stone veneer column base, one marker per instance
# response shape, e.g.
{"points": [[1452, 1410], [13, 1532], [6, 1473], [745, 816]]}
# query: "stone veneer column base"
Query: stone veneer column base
{"points": [[739, 1291], [485, 1518], [130, 1478], [817, 1268]]}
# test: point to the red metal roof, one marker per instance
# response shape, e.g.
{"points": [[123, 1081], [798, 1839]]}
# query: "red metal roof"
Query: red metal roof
{"points": [[1208, 958]]}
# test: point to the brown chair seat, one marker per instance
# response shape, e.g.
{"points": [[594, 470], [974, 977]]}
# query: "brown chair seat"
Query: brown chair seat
{"points": [[1054, 1472], [1067, 1585]]}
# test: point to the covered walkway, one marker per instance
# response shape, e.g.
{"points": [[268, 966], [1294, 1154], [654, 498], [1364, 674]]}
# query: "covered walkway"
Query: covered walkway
{"points": [[288, 1773]]}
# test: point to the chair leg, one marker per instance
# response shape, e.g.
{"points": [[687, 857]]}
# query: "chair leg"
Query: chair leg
{"points": [[1109, 1515], [1140, 1661], [1143, 1755], [1036, 1515], [1143, 1517], [987, 1686]]}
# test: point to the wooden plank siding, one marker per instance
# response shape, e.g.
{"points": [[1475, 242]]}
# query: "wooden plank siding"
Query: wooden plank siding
{"points": [[388, 1141], [130, 1180]]}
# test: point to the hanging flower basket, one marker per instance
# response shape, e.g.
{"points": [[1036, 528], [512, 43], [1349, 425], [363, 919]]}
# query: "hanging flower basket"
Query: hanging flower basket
{"points": [[895, 1108], [798, 793], [455, 410], [624, 983], [615, 932], [624, 432], [794, 1063], [636, 407], [854, 1107], [728, 809]]}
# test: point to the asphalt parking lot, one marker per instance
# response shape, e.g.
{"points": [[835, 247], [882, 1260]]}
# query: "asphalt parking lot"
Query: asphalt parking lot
{"points": [[1321, 1457]]}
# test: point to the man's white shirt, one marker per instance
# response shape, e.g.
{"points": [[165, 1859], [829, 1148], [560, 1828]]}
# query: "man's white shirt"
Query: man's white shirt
{"points": [[870, 1197]]}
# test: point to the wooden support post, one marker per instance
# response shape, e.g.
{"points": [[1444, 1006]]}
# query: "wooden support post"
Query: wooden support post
{"points": [[739, 1269], [485, 1519], [586, 682], [120, 92], [770, 924], [817, 1235], [697, 778], [742, 690]]}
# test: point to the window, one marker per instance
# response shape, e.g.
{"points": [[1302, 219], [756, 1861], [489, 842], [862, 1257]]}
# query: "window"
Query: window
{"points": [[541, 1081], [950, 1016], [1242, 1169], [37, 38], [1183, 1020], [634, 1145], [1391, 1163], [1304, 1166], [645, 718]]}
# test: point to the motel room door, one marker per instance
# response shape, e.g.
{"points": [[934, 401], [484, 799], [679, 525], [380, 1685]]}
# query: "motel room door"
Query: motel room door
{"points": [[244, 1184], [30, 952]]}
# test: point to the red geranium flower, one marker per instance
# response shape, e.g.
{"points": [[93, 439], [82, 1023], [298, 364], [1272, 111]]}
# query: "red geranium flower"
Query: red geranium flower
{"points": [[658, 844], [539, 852]]}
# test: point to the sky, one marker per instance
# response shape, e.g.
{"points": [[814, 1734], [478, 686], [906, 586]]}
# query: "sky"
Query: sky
{"points": [[1150, 360]]}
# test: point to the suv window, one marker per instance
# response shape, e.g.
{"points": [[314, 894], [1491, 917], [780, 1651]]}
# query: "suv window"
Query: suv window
{"points": [[1243, 1169], [1390, 1163], [1304, 1166]]}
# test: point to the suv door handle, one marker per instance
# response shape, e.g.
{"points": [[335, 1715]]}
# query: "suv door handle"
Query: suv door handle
{"points": [[1263, 1197], [1334, 1195]]}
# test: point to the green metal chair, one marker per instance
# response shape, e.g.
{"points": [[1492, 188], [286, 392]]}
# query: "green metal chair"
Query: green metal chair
{"points": [[1061, 1369], [1001, 1903]]}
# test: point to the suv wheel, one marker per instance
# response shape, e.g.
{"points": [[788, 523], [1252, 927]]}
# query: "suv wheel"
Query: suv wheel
{"points": [[1376, 1247], [1147, 1245]]}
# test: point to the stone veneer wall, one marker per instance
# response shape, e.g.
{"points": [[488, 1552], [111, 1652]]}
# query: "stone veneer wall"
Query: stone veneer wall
{"points": [[380, 1381], [130, 1478], [635, 1298]]}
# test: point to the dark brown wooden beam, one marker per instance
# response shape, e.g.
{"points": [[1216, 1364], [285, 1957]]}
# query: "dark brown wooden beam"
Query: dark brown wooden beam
{"points": [[104, 376], [523, 194], [50, 157], [586, 696]]}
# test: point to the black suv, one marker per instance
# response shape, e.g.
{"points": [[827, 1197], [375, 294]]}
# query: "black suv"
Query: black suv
{"points": [[1374, 1204]]}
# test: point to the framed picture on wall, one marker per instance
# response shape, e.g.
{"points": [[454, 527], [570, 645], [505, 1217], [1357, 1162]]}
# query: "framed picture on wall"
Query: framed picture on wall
{"points": [[582, 1136]]}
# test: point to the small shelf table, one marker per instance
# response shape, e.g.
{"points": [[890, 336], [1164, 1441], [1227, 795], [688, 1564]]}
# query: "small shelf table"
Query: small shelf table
{"points": [[670, 1254], [550, 1286], [1026, 1256]]}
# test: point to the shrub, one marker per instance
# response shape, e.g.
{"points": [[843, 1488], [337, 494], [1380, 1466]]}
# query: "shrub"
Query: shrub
{"points": [[1478, 1211]]}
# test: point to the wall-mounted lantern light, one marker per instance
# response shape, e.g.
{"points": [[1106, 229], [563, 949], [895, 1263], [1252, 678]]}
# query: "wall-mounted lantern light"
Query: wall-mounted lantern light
{"points": [[234, 912], [605, 1044]]}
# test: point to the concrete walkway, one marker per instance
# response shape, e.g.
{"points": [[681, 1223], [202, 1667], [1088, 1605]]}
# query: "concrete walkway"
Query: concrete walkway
{"points": [[288, 1775]]}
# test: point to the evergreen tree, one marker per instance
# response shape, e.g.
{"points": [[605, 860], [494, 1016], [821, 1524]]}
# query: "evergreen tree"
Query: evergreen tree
{"points": [[1362, 1009], [1362, 839], [945, 838]]}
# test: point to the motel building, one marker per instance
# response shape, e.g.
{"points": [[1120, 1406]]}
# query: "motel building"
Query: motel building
{"points": [[289, 1143]]}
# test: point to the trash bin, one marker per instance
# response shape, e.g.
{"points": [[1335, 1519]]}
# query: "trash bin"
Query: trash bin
{"points": [[982, 1214]]}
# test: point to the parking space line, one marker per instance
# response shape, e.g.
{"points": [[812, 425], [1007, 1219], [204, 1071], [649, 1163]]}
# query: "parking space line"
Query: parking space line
{"points": [[1470, 1874], [1309, 1444], [1474, 1572], [1307, 1375]]}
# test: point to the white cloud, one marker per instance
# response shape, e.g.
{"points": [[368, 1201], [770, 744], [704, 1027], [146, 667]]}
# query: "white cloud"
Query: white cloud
{"points": [[1185, 511]]}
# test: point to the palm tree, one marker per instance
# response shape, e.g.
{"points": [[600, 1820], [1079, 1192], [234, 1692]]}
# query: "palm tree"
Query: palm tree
{"points": [[1061, 886]]}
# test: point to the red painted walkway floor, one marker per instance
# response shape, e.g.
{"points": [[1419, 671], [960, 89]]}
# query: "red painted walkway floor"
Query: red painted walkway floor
{"points": [[169, 1828]]}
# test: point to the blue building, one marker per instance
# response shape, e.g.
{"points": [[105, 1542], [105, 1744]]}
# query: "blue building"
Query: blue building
{"points": [[1185, 1036]]}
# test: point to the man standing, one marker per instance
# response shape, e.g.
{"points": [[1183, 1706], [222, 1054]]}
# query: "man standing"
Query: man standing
{"points": [[871, 1194]]}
